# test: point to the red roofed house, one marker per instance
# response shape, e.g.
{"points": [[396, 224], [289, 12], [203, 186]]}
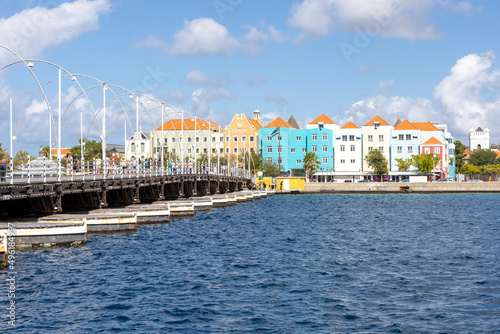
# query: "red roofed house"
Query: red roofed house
{"points": [[436, 148]]}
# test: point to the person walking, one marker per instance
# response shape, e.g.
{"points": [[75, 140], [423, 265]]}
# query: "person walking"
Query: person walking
{"points": [[3, 169]]}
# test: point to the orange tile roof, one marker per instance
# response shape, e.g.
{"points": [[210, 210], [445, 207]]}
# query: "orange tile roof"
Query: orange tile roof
{"points": [[425, 126], [432, 141], [377, 119], [350, 125], [405, 125], [64, 151], [323, 118], [255, 123], [189, 124], [278, 122]]}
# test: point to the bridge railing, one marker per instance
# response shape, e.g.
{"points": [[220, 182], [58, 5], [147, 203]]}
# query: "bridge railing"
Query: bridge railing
{"points": [[46, 170]]}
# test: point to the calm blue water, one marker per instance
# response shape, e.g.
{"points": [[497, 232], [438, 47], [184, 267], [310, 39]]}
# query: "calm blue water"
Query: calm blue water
{"points": [[395, 263]]}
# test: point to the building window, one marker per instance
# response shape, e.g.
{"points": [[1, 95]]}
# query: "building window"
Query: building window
{"points": [[342, 148], [351, 137], [408, 137], [292, 150], [197, 139], [269, 149], [353, 148], [221, 139], [297, 138], [213, 151], [173, 150], [427, 150], [189, 139], [325, 136], [353, 161], [221, 151], [235, 150], [189, 151], [227, 150], [370, 149], [251, 139], [270, 160], [342, 161], [298, 162], [401, 137], [325, 148], [315, 148], [198, 150], [235, 139], [380, 137], [227, 139], [344, 138], [381, 149], [205, 139], [244, 139], [173, 139], [213, 139], [251, 149], [400, 149], [304, 150], [410, 149], [315, 136], [280, 149], [370, 137], [437, 150], [325, 160], [204, 150], [280, 138], [280, 161], [269, 138]]}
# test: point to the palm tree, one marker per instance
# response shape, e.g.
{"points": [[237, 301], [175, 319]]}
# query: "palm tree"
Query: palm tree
{"points": [[311, 163]]}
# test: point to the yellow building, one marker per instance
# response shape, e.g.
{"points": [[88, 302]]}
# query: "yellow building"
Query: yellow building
{"points": [[242, 134]]}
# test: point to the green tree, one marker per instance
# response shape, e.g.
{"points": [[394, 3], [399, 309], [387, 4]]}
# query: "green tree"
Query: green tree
{"points": [[483, 157], [376, 160], [403, 164], [469, 169], [270, 169], [3, 154], [459, 154], [22, 156], [46, 151], [424, 163], [310, 163], [92, 149]]}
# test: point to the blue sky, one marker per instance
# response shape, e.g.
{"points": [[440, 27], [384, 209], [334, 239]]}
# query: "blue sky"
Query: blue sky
{"points": [[351, 60]]}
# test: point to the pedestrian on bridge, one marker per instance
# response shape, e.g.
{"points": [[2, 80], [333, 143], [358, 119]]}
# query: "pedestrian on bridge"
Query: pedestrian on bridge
{"points": [[3, 169]]}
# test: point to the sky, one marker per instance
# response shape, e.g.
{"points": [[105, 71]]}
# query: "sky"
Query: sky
{"points": [[349, 59]]}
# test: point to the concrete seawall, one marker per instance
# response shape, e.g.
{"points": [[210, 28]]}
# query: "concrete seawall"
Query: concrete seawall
{"points": [[396, 187]]}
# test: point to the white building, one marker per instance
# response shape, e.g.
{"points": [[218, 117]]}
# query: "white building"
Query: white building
{"points": [[138, 146], [479, 139], [376, 135], [348, 149]]}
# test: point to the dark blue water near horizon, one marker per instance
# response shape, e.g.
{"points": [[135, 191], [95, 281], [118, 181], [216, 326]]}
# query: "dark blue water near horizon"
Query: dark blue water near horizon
{"points": [[385, 263]]}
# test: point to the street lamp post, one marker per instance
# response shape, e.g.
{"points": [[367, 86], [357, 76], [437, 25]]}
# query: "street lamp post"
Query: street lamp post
{"points": [[59, 137], [104, 130]]}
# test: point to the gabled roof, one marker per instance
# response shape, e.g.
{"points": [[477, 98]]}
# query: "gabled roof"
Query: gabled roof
{"points": [[293, 122], [323, 118], [376, 119], [189, 124], [425, 126], [397, 122], [405, 125], [350, 125], [479, 129], [432, 141], [278, 122], [255, 123]]}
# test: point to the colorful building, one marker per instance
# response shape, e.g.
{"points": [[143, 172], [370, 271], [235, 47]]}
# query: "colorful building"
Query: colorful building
{"points": [[376, 135], [242, 134]]}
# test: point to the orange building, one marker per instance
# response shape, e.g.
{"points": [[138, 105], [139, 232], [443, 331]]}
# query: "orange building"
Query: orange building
{"points": [[242, 134]]}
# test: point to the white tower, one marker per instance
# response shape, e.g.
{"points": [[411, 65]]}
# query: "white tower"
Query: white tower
{"points": [[479, 139]]}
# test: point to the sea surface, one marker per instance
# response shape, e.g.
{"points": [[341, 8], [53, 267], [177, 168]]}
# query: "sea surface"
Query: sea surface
{"points": [[381, 263]]}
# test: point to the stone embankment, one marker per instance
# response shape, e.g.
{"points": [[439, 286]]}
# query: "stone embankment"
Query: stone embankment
{"points": [[396, 187]]}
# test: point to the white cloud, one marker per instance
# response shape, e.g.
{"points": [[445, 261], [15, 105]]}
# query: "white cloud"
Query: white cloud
{"points": [[404, 18], [385, 87], [175, 96], [204, 36], [269, 117], [201, 99], [273, 97], [197, 77], [29, 32], [467, 98]]}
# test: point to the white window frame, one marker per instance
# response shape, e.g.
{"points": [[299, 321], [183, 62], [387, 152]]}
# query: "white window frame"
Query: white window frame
{"points": [[325, 160], [314, 136], [325, 148], [269, 149], [315, 148], [325, 136]]}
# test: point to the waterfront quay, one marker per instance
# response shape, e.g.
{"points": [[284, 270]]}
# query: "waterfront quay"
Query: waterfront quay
{"points": [[396, 187]]}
